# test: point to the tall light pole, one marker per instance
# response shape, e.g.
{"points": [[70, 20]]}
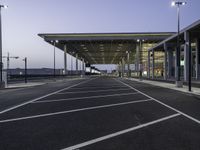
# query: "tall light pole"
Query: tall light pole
{"points": [[178, 4], [1, 62]]}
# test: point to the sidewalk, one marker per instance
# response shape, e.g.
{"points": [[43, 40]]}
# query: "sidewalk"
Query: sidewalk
{"points": [[23, 85], [37, 83], [195, 90]]}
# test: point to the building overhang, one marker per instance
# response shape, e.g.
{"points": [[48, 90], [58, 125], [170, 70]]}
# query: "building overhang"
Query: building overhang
{"points": [[102, 48], [193, 29]]}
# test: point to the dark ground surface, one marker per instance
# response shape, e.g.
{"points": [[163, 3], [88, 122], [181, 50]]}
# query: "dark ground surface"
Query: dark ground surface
{"points": [[12, 97], [95, 114]]}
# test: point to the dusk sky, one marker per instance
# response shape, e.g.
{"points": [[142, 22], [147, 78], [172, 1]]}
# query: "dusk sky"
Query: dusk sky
{"points": [[24, 19]]}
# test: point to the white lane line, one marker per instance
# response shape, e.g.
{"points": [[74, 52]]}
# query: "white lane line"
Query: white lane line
{"points": [[120, 133], [99, 87], [74, 110], [174, 109], [27, 102], [95, 91], [81, 98]]}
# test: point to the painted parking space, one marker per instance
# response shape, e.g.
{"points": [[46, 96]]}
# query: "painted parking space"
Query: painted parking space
{"points": [[67, 105], [175, 133], [74, 128], [98, 93], [79, 89], [89, 116]]}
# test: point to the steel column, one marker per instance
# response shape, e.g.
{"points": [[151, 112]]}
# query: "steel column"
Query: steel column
{"points": [[76, 63], [197, 59], [128, 62], [153, 63], [65, 59], [186, 56], [149, 64], [165, 61]]}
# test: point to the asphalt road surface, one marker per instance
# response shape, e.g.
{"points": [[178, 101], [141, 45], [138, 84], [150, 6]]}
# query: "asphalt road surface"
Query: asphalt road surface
{"points": [[99, 114]]}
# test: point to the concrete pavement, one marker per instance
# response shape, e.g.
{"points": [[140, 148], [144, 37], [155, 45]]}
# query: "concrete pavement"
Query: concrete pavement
{"points": [[23, 85], [195, 90], [39, 82], [101, 114]]}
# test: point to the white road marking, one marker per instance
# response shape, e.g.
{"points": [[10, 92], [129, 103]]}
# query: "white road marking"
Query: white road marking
{"points": [[174, 109], [99, 87], [95, 91], [81, 98], [120, 132], [27, 102], [75, 110]]}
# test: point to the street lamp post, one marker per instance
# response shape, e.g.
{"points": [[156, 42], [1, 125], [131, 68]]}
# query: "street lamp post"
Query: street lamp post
{"points": [[178, 4], [1, 62]]}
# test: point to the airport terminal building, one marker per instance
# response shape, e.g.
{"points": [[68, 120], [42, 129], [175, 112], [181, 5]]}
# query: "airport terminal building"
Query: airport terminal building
{"points": [[150, 55]]}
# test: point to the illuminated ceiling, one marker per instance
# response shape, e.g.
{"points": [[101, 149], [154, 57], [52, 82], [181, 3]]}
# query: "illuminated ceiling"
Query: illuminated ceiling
{"points": [[103, 48]]}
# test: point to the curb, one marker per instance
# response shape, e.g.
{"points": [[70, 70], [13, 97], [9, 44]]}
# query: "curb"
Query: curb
{"points": [[23, 86], [177, 89], [27, 86]]}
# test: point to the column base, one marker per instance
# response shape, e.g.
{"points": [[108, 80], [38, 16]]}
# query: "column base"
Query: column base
{"points": [[179, 84]]}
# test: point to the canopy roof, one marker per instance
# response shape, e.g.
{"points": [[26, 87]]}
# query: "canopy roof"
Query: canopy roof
{"points": [[102, 48], [193, 29]]}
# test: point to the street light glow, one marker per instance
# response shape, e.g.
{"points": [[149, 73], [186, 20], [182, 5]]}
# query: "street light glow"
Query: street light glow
{"points": [[183, 3], [173, 3]]}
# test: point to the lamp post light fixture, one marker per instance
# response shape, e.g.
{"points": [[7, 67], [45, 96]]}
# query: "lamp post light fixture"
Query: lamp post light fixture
{"points": [[178, 4], [4, 6], [1, 62]]}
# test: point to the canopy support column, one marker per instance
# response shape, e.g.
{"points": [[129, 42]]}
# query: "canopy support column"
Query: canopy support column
{"points": [[186, 56], [149, 64], [128, 62], [165, 61], [65, 59], [76, 64], [153, 65], [198, 58], [83, 66]]}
